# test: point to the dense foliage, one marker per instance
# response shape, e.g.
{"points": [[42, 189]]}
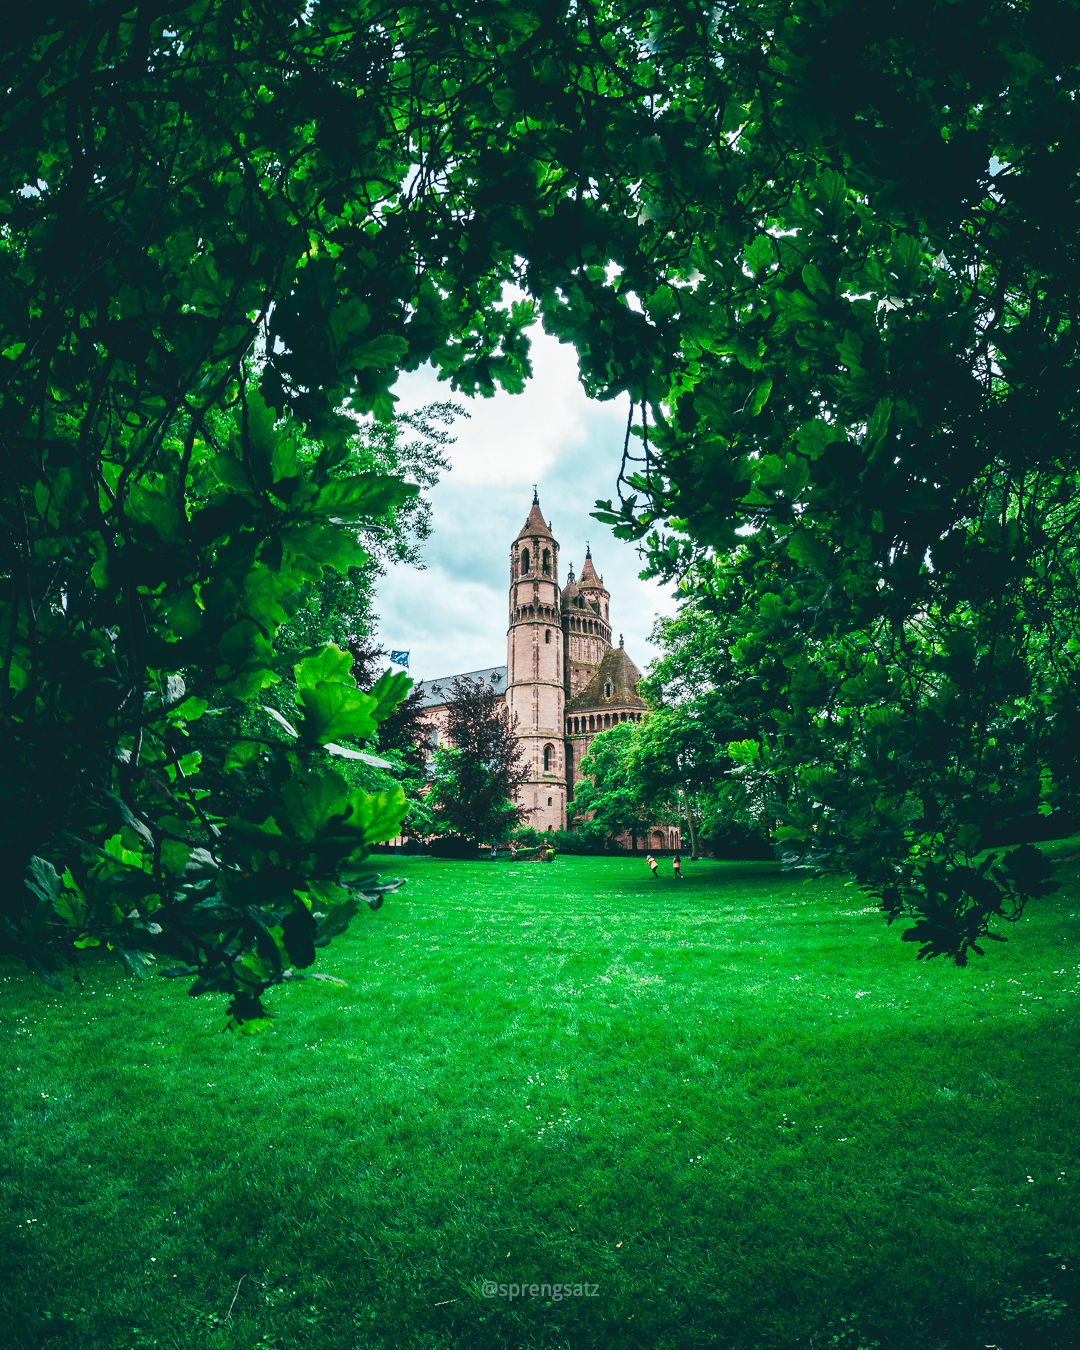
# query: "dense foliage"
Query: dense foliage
{"points": [[828, 249], [164, 519], [608, 803]]}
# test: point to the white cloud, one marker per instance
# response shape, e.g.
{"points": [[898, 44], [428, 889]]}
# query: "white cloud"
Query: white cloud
{"points": [[453, 616]]}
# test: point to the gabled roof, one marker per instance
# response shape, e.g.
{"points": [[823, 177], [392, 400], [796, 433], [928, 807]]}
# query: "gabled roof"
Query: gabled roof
{"points": [[436, 692], [620, 672]]}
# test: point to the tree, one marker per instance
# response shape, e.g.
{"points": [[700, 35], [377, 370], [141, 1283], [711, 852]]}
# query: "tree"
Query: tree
{"points": [[608, 802], [773, 226], [480, 772]]}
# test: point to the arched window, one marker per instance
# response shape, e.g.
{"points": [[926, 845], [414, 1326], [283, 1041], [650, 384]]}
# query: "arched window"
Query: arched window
{"points": [[607, 689], [548, 749], [524, 560], [547, 634], [546, 565], [592, 723]]}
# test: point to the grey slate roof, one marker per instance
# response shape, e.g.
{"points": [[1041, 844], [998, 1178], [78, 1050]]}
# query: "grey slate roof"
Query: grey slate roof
{"points": [[438, 691], [620, 672]]}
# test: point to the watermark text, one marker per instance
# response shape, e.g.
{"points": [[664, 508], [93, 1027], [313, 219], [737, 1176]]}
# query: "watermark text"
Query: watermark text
{"points": [[554, 1292]]}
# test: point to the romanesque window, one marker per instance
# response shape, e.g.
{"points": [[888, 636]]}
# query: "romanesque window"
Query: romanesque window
{"points": [[547, 634], [592, 723], [524, 560], [547, 563], [548, 751], [607, 689]]}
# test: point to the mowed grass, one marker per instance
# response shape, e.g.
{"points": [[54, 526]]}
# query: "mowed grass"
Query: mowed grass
{"points": [[736, 1108]]}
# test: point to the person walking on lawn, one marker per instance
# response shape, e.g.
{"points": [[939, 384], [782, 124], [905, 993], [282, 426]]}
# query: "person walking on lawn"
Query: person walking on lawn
{"points": [[676, 867], [654, 865]]}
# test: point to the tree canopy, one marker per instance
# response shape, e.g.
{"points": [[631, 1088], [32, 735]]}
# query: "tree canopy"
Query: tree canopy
{"points": [[827, 251], [479, 769], [609, 801]]}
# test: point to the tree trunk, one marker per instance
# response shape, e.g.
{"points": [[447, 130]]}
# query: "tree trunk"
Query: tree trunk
{"points": [[694, 855]]}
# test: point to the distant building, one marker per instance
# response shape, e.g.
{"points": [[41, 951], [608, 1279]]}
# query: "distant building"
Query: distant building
{"points": [[563, 680]]}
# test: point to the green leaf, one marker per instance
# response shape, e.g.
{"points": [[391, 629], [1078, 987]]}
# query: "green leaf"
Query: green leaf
{"points": [[311, 805], [348, 322], [244, 644], [379, 814], [335, 710], [262, 595], [326, 545], [744, 752], [184, 615], [879, 423], [148, 507], [364, 494], [761, 397], [190, 710], [129, 818], [380, 352], [175, 855], [331, 665], [241, 753], [813, 279], [761, 255], [135, 963], [43, 879], [335, 921], [388, 692], [808, 550]]}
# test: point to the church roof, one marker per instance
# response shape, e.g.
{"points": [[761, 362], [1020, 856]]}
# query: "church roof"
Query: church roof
{"points": [[536, 523], [618, 671], [570, 590], [589, 579], [436, 692]]}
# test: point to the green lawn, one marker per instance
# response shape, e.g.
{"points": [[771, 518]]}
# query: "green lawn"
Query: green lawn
{"points": [[737, 1109]]}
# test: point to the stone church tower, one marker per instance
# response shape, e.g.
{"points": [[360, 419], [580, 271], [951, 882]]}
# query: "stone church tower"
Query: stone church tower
{"points": [[564, 681], [534, 674]]}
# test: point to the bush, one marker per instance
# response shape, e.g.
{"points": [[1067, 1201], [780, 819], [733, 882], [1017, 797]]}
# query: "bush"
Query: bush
{"points": [[563, 841]]}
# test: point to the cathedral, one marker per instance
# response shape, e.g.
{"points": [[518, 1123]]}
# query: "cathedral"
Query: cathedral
{"points": [[563, 680]]}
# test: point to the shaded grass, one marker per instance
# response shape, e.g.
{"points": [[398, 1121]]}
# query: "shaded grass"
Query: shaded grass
{"points": [[737, 1106]]}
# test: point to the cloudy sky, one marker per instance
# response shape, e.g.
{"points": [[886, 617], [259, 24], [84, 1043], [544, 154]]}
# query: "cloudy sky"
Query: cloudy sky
{"points": [[452, 616]]}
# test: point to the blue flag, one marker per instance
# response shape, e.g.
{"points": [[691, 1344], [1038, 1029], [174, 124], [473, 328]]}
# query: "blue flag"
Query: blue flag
{"points": [[400, 659]]}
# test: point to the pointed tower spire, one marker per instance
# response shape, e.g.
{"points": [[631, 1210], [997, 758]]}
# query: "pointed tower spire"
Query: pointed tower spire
{"points": [[536, 496]]}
